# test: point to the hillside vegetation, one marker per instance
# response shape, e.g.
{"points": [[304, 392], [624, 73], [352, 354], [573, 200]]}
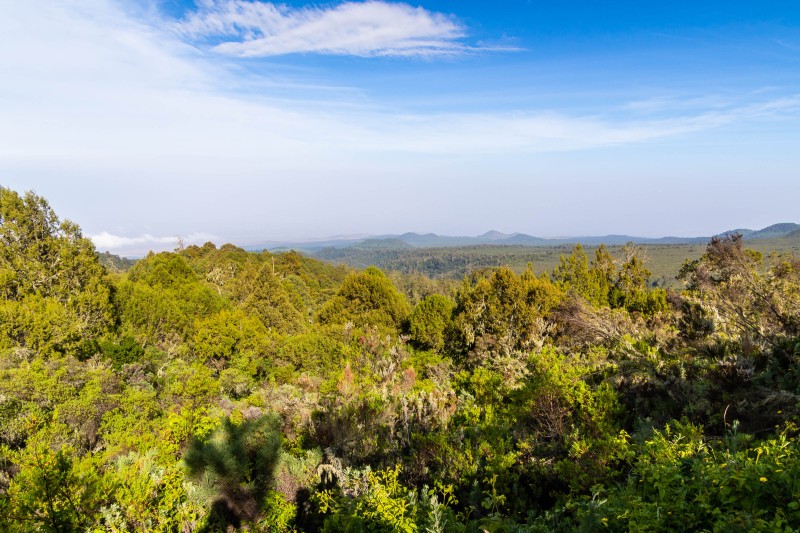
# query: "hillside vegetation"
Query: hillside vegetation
{"points": [[215, 389]]}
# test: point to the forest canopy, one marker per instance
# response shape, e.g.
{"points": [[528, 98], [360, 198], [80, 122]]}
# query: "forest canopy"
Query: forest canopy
{"points": [[215, 389]]}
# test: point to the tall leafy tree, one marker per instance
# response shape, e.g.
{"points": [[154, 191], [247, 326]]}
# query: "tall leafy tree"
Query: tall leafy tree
{"points": [[591, 281], [53, 291], [630, 290], [262, 295], [430, 320], [501, 314], [572, 272], [602, 271], [367, 298], [161, 299]]}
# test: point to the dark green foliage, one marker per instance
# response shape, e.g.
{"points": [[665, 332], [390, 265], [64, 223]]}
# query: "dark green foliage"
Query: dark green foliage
{"points": [[647, 302], [124, 352], [262, 295], [312, 353], [601, 284], [366, 299], [502, 313], [53, 291], [602, 272], [430, 320], [573, 274], [165, 270], [161, 298], [308, 283], [233, 338]]}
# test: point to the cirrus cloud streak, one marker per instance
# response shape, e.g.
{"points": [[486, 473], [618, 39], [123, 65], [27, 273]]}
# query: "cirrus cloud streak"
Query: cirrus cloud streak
{"points": [[366, 29]]}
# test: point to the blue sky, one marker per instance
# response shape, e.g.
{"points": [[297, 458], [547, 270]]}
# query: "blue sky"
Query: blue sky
{"points": [[231, 120]]}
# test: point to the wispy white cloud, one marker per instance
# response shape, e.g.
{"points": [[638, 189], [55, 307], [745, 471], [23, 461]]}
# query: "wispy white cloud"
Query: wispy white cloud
{"points": [[751, 105], [775, 108], [484, 133], [794, 47], [376, 28]]}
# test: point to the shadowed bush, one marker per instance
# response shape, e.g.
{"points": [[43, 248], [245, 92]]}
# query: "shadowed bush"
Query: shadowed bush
{"points": [[237, 464]]}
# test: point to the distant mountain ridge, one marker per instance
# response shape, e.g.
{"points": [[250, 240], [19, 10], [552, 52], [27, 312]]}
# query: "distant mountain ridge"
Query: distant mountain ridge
{"points": [[494, 237], [776, 230]]}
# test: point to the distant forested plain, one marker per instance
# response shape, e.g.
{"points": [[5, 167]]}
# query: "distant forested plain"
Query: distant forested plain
{"points": [[488, 388], [663, 260]]}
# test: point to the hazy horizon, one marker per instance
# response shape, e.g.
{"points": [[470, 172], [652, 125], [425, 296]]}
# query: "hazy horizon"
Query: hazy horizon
{"points": [[139, 246], [245, 122]]}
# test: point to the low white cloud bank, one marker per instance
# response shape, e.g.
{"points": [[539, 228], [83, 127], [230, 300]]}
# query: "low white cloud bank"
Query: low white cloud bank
{"points": [[139, 245], [365, 29]]}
